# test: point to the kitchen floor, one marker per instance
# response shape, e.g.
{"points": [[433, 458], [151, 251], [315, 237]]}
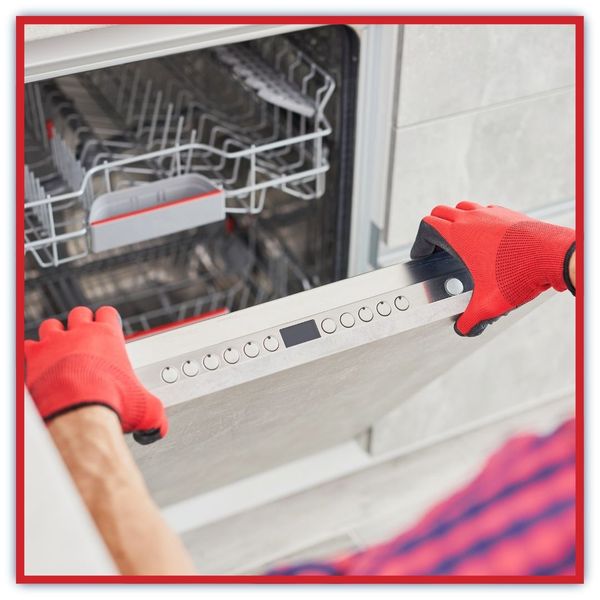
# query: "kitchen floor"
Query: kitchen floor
{"points": [[362, 508]]}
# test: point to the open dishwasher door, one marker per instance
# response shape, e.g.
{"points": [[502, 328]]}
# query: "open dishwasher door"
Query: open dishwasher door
{"points": [[253, 389]]}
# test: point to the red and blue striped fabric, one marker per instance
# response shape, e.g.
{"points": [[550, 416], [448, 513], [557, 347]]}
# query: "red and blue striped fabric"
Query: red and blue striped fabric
{"points": [[517, 517]]}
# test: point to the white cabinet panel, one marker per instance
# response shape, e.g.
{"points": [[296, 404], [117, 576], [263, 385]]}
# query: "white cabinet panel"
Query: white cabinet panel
{"points": [[448, 69], [60, 535]]}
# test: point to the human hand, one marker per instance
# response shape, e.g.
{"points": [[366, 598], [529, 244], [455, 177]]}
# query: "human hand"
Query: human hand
{"points": [[86, 363], [511, 257]]}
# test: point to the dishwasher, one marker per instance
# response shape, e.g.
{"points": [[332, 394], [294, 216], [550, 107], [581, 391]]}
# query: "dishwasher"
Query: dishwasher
{"points": [[208, 196], [184, 187]]}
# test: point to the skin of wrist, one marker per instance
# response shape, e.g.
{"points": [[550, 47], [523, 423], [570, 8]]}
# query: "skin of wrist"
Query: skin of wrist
{"points": [[91, 443], [572, 265]]}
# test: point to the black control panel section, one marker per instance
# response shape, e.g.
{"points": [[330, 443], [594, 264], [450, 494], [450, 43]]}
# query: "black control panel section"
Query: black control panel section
{"points": [[299, 333]]}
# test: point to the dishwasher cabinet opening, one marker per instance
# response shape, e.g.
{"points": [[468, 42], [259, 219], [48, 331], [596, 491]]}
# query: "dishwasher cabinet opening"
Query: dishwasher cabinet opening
{"points": [[186, 186]]}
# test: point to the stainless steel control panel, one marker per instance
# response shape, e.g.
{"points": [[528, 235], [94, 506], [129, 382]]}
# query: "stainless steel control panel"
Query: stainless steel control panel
{"points": [[288, 337]]}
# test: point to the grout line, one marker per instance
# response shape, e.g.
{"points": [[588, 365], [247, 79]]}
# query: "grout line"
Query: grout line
{"points": [[488, 107]]}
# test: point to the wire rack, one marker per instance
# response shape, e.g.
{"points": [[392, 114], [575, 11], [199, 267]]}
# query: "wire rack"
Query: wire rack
{"points": [[249, 117], [169, 281]]}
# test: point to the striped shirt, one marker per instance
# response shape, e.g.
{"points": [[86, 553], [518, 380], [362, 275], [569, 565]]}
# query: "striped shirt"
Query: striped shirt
{"points": [[517, 517]]}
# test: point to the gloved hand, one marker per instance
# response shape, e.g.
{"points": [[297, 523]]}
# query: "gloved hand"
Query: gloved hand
{"points": [[511, 257], [87, 363]]}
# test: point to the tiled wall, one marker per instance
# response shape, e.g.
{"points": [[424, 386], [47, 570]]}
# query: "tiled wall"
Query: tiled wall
{"points": [[485, 113]]}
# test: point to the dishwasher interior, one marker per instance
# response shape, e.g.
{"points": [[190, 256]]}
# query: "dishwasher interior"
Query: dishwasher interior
{"points": [[254, 140]]}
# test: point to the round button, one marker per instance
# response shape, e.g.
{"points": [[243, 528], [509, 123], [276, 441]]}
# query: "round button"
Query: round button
{"points": [[365, 314], [271, 343], [169, 375], [190, 368], [251, 349], [454, 286], [401, 302], [231, 355], [328, 325], [347, 320], [211, 362], [384, 309]]}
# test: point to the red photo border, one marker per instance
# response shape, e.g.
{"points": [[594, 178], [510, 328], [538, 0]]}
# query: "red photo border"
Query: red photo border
{"points": [[21, 21]]}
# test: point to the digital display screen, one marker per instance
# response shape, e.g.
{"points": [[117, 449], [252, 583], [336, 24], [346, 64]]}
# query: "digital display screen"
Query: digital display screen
{"points": [[300, 333]]}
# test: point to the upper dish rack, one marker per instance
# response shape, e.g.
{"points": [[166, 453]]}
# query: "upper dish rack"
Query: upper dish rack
{"points": [[119, 155]]}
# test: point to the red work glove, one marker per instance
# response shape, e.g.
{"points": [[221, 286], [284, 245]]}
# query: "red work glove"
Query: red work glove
{"points": [[511, 257], [87, 364]]}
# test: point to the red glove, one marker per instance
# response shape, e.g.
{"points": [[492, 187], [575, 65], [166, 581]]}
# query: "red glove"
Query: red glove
{"points": [[87, 364], [511, 257]]}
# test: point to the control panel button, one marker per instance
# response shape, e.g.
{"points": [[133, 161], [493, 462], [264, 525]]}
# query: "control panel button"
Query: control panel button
{"points": [[328, 325], [347, 320], [365, 314], [454, 286], [251, 350], [231, 355], [384, 309], [271, 343], [211, 362], [169, 375], [190, 368], [401, 302]]}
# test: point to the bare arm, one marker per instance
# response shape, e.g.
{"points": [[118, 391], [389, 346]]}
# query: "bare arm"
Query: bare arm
{"points": [[91, 443], [85, 388]]}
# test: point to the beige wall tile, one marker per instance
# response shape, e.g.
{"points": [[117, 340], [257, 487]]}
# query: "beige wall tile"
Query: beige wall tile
{"points": [[520, 156], [452, 68]]}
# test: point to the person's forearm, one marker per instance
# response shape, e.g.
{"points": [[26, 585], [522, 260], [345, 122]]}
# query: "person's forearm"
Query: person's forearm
{"points": [[92, 446], [572, 264]]}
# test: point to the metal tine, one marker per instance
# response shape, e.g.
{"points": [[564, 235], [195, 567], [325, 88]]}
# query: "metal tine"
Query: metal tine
{"points": [[188, 163], [167, 127], [154, 120], [169, 90], [107, 177], [177, 158], [40, 115], [279, 57], [121, 87], [205, 116], [52, 235], [144, 107], [299, 148], [310, 75], [36, 125], [133, 97], [28, 184], [183, 98], [29, 116]]}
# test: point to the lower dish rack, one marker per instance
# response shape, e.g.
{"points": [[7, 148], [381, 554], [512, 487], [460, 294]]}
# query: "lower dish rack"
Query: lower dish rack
{"points": [[245, 119], [203, 273]]}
